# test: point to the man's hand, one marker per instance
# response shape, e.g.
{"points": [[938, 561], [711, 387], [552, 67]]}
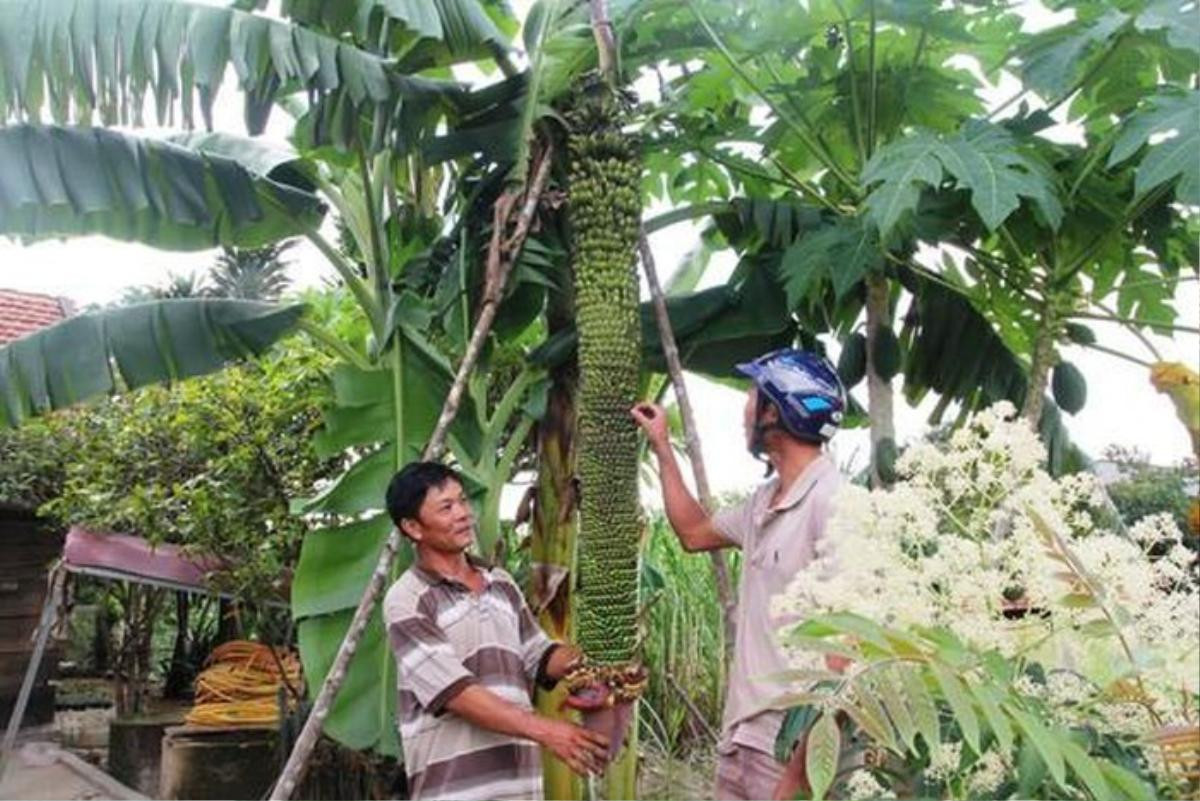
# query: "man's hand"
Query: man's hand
{"points": [[653, 420], [563, 660], [584, 751]]}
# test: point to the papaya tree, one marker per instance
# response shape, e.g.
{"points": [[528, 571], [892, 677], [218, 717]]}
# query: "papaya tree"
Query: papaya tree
{"points": [[869, 117]]}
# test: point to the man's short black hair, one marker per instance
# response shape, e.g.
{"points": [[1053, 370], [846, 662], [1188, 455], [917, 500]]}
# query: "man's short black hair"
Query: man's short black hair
{"points": [[407, 489]]}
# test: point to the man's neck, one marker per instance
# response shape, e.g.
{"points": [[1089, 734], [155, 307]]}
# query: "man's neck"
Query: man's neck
{"points": [[450, 564], [790, 458]]}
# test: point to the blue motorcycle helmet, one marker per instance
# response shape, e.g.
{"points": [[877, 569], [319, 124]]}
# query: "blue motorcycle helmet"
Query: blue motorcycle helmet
{"points": [[804, 388]]}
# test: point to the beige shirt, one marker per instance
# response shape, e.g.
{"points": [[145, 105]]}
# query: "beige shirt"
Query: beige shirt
{"points": [[776, 542]]}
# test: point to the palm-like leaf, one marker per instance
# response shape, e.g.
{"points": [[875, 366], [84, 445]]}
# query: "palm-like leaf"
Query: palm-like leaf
{"points": [[60, 181], [132, 346], [85, 56], [253, 273]]}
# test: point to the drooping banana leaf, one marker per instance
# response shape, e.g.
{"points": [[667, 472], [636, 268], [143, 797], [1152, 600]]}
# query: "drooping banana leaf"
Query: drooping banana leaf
{"points": [[188, 194], [79, 57], [422, 33], [128, 347], [955, 351]]}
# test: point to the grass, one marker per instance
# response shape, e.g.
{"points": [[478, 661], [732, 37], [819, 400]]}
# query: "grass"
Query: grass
{"points": [[682, 645]]}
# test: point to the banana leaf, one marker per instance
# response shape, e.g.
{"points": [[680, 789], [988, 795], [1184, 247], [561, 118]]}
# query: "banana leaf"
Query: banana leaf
{"points": [[99, 353]]}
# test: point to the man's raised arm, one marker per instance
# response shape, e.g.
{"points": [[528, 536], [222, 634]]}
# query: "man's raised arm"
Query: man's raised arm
{"points": [[692, 524]]}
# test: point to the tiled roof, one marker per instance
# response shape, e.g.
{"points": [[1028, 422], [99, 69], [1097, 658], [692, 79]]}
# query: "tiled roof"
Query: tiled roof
{"points": [[23, 313]]}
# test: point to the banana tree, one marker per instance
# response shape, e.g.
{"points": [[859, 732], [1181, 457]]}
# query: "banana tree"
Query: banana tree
{"points": [[363, 120]]}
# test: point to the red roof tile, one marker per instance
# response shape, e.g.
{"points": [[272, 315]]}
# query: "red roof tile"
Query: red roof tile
{"points": [[23, 313]]}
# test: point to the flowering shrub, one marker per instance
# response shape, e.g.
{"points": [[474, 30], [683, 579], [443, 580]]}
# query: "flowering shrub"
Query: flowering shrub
{"points": [[1004, 640]]}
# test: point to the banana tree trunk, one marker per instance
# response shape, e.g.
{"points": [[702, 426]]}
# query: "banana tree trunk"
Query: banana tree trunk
{"points": [[552, 548], [880, 395]]}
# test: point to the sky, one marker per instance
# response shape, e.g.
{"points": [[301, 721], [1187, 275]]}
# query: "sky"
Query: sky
{"points": [[1122, 408]]}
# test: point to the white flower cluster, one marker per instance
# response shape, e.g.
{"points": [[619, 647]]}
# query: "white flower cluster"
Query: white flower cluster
{"points": [[944, 761], [989, 773], [861, 785], [978, 538]]}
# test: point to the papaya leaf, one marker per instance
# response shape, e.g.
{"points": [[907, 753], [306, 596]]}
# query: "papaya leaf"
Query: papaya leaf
{"points": [[1166, 113], [844, 253], [981, 158], [902, 169], [1178, 17], [1053, 59]]}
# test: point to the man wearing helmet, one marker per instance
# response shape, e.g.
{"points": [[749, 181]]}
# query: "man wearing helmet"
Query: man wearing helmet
{"points": [[794, 406]]}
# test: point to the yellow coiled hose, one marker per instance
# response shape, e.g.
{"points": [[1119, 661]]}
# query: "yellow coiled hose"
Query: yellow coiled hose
{"points": [[240, 686]]}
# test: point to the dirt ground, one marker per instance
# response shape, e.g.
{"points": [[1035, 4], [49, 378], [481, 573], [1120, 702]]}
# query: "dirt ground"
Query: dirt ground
{"points": [[686, 779], [42, 770]]}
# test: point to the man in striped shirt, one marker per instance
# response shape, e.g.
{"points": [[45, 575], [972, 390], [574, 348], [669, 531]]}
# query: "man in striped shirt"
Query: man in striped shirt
{"points": [[468, 652]]}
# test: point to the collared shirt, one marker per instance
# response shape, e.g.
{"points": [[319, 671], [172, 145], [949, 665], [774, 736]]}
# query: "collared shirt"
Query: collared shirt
{"points": [[776, 541], [446, 638]]}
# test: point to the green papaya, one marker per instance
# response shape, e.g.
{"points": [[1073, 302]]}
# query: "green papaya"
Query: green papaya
{"points": [[885, 352], [1070, 387], [1080, 334], [852, 362]]}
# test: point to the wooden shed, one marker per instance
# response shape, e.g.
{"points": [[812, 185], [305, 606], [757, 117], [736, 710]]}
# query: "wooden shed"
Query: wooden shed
{"points": [[28, 546]]}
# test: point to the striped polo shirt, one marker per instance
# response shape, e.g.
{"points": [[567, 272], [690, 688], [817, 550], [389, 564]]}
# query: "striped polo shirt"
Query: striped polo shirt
{"points": [[446, 638]]}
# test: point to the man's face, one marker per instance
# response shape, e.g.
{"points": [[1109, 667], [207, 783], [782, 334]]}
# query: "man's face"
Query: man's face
{"points": [[445, 521]]}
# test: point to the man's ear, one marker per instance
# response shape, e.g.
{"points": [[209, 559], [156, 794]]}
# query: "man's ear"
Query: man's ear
{"points": [[411, 528]]}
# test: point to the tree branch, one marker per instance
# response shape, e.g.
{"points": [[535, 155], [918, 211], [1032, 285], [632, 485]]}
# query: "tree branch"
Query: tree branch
{"points": [[690, 433], [682, 214], [1118, 354], [606, 42], [501, 256]]}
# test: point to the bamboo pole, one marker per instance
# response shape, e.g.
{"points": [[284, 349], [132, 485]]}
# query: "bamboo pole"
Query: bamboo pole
{"points": [[691, 434]]}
